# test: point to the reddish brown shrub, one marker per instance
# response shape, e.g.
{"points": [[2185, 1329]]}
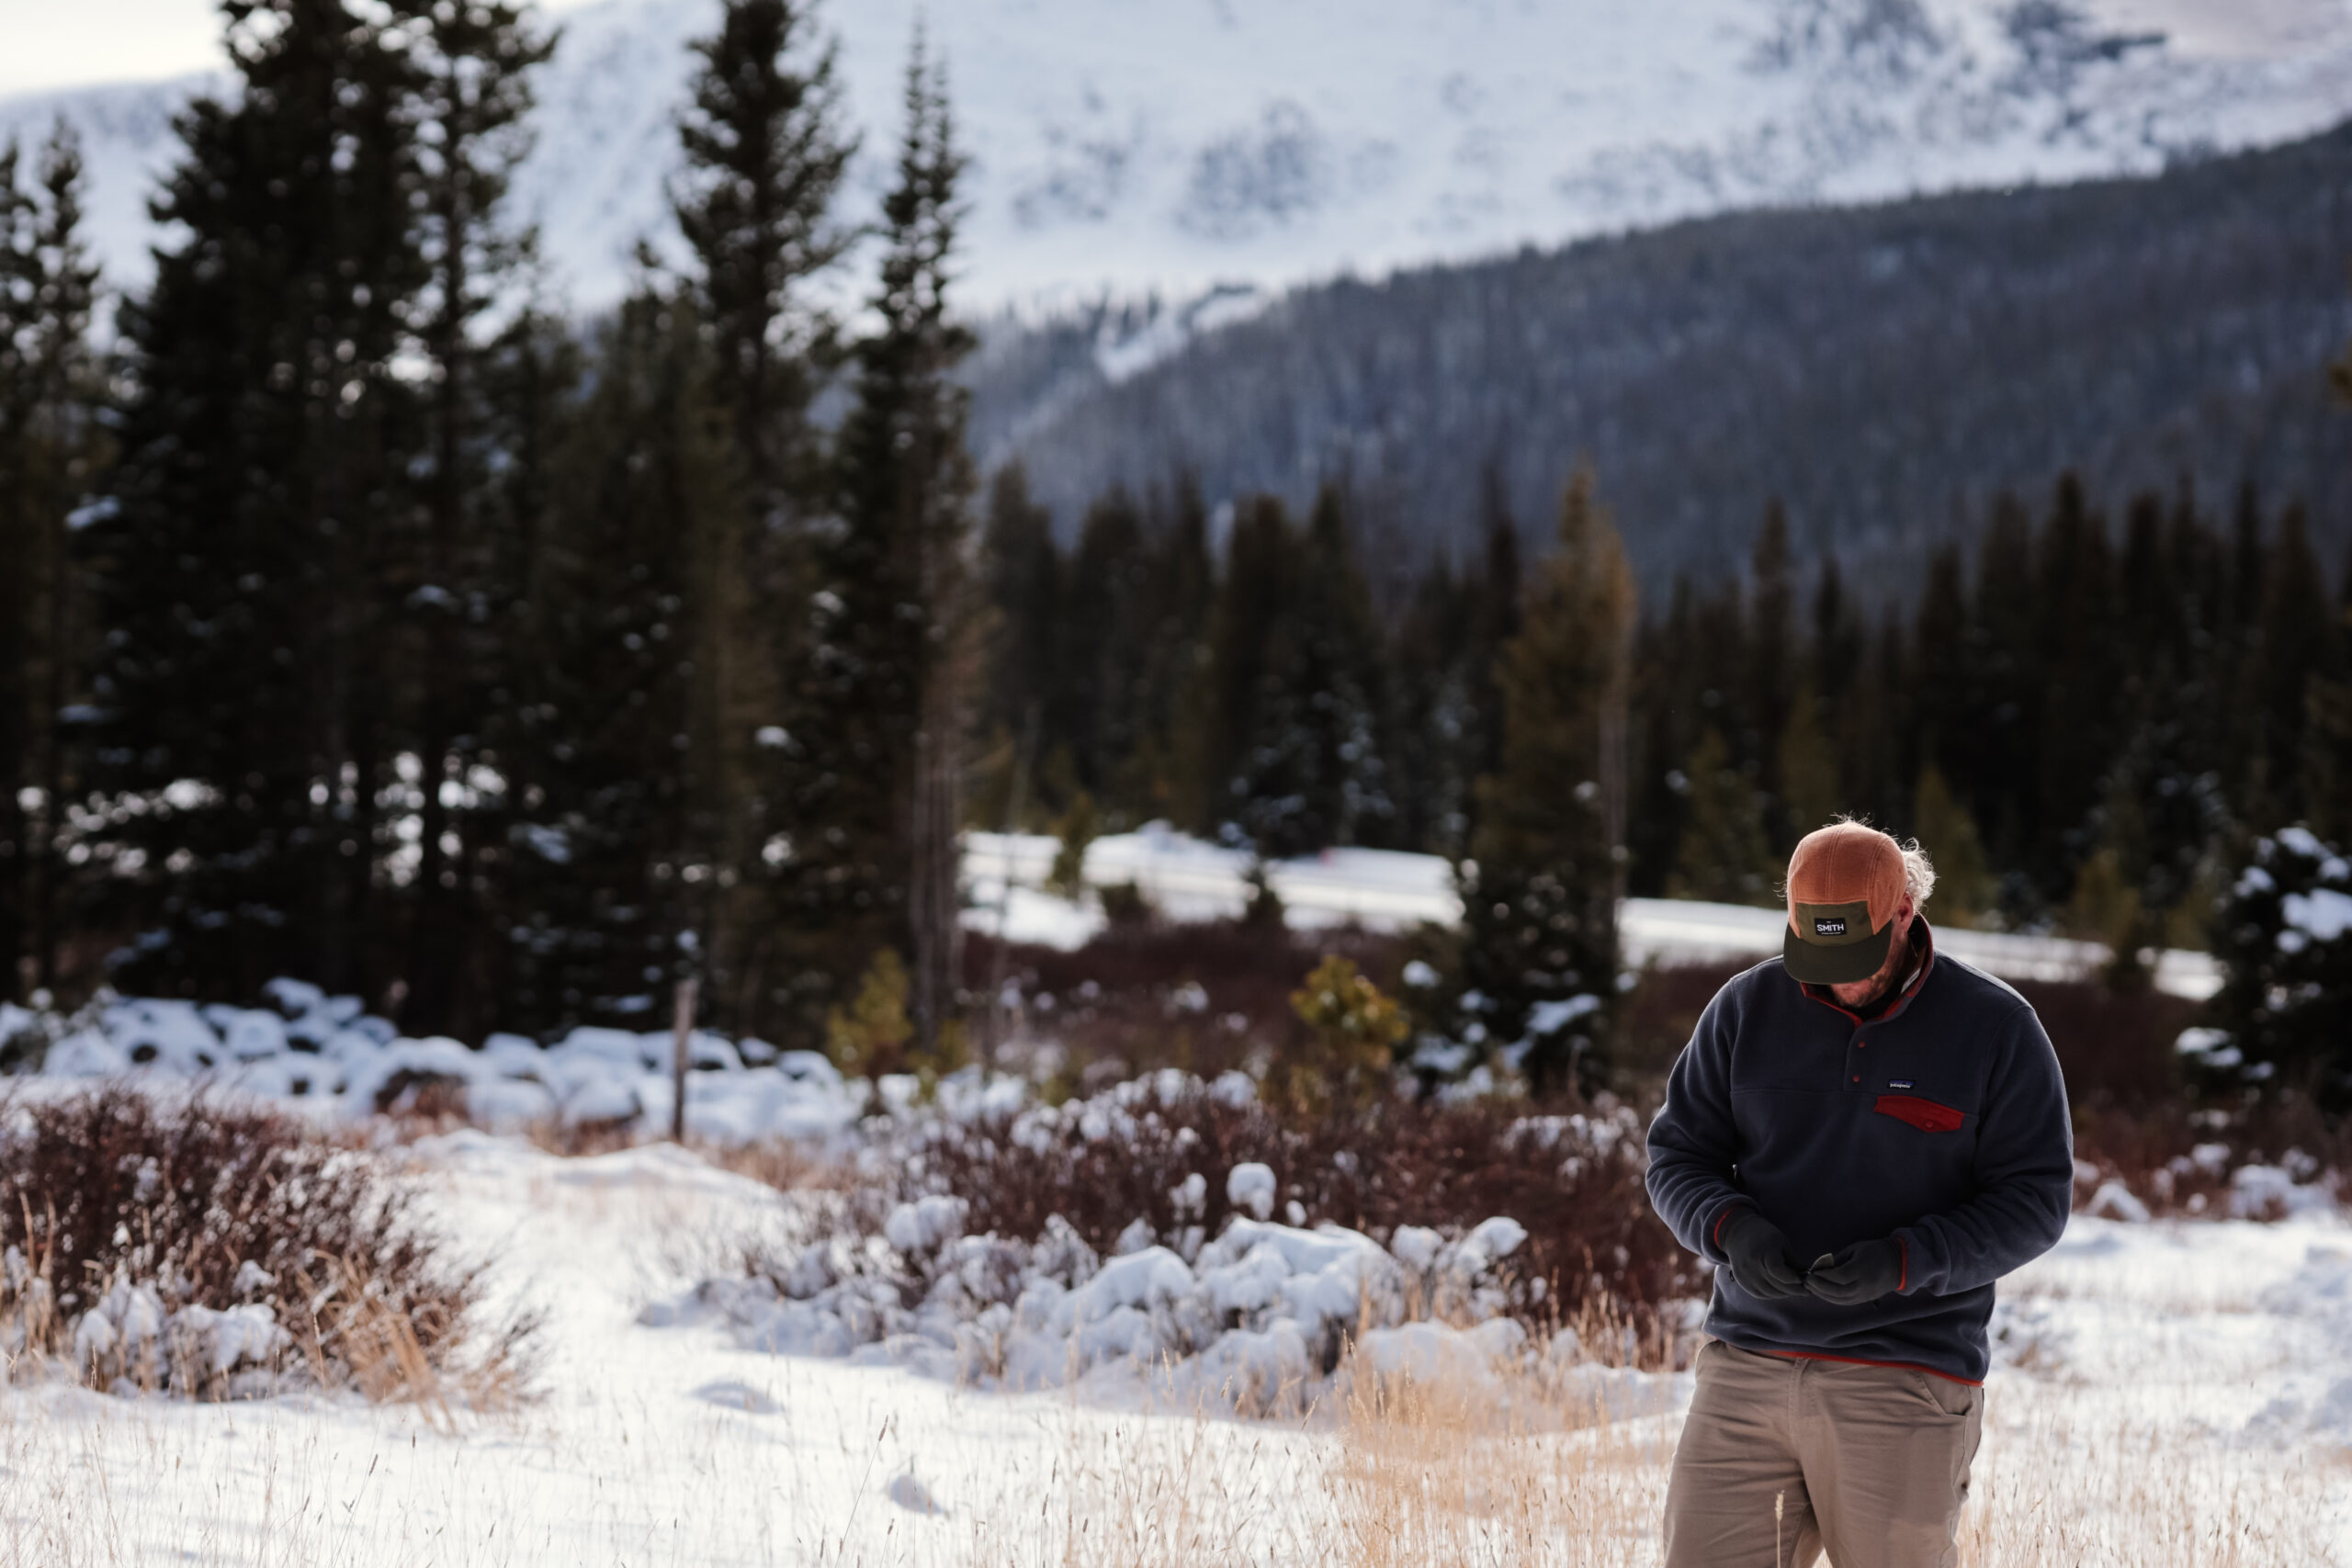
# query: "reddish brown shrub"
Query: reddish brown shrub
{"points": [[1574, 1182], [1113, 1004], [2179, 1160], [212, 1206]]}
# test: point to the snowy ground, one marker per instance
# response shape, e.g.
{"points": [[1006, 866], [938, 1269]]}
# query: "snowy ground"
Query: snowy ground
{"points": [[2169, 1394]]}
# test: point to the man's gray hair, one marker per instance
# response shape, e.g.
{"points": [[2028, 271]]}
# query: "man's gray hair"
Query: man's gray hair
{"points": [[1918, 871]]}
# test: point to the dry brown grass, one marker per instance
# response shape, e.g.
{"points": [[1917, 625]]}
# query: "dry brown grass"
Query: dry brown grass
{"points": [[1429, 1474], [212, 1206]]}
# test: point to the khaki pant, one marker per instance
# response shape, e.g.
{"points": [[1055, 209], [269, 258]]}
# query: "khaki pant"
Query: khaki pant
{"points": [[1870, 1463]]}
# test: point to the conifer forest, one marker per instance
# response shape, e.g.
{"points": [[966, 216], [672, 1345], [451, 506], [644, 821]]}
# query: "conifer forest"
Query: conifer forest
{"points": [[372, 619]]}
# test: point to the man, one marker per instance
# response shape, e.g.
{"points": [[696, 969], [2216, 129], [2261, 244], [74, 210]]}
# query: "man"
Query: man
{"points": [[1862, 1135]]}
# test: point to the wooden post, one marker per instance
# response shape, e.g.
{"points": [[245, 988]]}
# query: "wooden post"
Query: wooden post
{"points": [[682, 1035]]}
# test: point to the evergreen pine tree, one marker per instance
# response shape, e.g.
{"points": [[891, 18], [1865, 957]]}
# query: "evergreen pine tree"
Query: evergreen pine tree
{"points": [[1810, 793], [1992, 756], [1105, 643], [1540, 897], [1310, 769], [1850, 696], [1248, 647], [1965, 888], [1494, 621], [241, 572], [1771, 669], [899, 653], [1663, 650], [2075, 603], [1943, 705], [21, 592], [765, 154], [1434, 761], [2160, 811], [473, 65], [1021, 570], [1175, 606], [2293, 641], [48, 441], [68, 452], [1725, 855], [605, 915], [2339, 376], [2327, 743]]}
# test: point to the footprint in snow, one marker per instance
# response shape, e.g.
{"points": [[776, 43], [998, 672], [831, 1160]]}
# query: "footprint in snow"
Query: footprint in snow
{"points": [[737, 1396], [913, 1496]]}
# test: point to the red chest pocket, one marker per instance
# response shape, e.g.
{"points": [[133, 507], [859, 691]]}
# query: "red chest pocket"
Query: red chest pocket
{"points": [[1924, 1115]]}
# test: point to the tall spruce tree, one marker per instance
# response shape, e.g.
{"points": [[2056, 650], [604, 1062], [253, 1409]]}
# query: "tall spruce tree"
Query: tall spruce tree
{"points": [[1105, 641], [1772, 667], [1725, 855], [48, 440], [1247, 642], [896, 631], [242, 571], [22, 539], [1435, 728], [2339, 376], [765, 153], [473, 65], [1313, 771], [2075, 607], [1180, 585], [605, 889], [1024, 573], [2291, 642], [1540, 938]]}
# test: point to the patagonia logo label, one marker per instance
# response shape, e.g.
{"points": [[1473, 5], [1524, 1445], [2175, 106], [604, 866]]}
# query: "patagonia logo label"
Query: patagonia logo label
{"points": [[1900, 1083], [1828, 926]]}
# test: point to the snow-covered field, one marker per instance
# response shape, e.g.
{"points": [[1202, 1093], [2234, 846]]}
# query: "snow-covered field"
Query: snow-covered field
{"points": [[2166, 1394], [1187, 879]]}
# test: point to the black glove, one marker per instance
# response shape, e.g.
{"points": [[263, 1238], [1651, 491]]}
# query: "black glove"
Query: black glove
{"points": [[1760, 1255], [1863, 1272]]}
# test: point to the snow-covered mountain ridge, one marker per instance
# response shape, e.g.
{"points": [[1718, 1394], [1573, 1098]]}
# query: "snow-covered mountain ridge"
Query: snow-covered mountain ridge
{"points": [[1173, 146]]}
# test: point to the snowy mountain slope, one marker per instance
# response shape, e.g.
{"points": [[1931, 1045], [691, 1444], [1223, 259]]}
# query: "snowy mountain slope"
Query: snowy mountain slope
{"points": [[1171, 145]]}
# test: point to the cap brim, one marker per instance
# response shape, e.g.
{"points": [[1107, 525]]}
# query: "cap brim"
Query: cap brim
{"points": [[1839, 965]]}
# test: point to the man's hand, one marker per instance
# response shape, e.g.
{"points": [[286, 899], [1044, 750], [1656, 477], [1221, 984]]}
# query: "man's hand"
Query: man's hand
{"points": [[1760, 1255], [1863, 1272]]}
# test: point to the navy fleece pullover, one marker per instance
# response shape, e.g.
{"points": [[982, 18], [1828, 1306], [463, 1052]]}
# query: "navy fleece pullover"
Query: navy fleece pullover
{"points": [[1941, 1122]]}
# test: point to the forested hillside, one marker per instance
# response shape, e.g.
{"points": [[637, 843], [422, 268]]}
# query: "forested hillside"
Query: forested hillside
{"points": [[1884, 371]]}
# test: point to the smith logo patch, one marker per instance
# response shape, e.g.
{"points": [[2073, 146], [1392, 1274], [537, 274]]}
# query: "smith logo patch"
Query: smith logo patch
{"points": [[1900, 1083], [1829, 926]]}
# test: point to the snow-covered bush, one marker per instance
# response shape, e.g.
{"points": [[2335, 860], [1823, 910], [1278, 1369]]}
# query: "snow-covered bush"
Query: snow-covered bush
{"points": [[2285, 934], [217, 1250], [2262, 1158], [1170, 1162], [1234, 1247]]}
